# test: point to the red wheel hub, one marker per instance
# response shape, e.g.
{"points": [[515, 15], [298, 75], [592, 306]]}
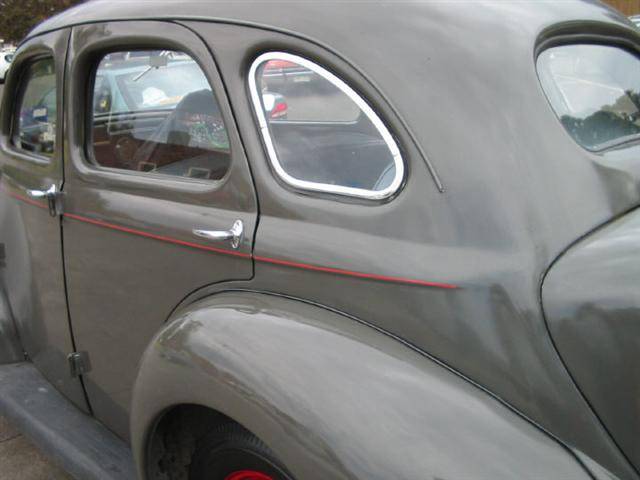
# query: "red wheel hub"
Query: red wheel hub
{"points": [[248, 475]]}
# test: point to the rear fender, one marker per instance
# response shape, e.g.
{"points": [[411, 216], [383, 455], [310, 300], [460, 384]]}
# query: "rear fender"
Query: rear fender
{"points": [[334, 398]]}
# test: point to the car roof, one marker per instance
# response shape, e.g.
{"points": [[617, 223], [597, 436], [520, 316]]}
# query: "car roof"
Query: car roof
{"points": [[329, 15]]}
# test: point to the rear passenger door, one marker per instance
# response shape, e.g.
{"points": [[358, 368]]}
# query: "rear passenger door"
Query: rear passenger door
{"points": [[159, 199]]}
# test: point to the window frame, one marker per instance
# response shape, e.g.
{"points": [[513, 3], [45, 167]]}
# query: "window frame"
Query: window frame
{"points": [[14, 131], [364, 106]]}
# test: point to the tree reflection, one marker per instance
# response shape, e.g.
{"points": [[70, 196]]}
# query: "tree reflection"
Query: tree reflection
{"points": [[610, 123]]}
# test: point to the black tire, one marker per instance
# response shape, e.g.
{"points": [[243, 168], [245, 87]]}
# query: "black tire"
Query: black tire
{"points": [[233, 453]]}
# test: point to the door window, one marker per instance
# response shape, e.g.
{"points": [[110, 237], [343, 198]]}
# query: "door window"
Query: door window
{"points": [[155, 112], [319, 133], [36, 112]]}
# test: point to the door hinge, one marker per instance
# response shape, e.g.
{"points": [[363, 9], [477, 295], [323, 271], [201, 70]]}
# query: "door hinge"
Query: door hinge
{"points": [[79, 363]]}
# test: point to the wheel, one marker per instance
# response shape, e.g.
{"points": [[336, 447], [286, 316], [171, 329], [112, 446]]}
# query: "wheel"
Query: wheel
{"points": [[233, 453]]}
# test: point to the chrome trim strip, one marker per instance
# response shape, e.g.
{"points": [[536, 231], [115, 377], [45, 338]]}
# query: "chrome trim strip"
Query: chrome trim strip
{"points": [[359, 101]]}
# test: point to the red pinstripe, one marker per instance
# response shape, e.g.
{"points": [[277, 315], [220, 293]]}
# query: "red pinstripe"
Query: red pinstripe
{"points": [[274, 261], [28, 200], [370, 276], [162, 238]]}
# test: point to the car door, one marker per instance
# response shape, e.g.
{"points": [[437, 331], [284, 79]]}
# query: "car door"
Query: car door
{"points": [[32, 165], [158, 200]]}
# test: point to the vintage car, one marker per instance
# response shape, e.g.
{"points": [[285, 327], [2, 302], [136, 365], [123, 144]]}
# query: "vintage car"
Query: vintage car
{"points": [[429, 268]]}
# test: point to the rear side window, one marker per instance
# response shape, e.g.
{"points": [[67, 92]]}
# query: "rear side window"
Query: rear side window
{"points": [[319, 133], [155, 112], [595, 92], [35, 130]]}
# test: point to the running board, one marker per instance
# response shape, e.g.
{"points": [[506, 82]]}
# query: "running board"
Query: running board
{"points": [[75, 441]]}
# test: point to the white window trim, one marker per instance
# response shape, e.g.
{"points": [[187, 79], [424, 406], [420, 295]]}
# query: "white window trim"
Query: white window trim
{"points": [[359, 101]]}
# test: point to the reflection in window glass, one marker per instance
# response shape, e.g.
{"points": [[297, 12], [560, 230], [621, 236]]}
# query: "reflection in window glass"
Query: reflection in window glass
{"points": [[36, 129], [320, 134], [595, 91], [154, 111]]}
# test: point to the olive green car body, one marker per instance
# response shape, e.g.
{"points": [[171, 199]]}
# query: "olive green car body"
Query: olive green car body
{"points": [[400, 338]]}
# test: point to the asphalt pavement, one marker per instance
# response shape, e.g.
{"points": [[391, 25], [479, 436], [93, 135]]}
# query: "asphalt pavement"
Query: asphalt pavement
{"points": [[19, 458]]}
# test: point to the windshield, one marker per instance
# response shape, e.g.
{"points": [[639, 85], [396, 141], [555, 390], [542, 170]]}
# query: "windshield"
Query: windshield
{"points": [[595, 91]]}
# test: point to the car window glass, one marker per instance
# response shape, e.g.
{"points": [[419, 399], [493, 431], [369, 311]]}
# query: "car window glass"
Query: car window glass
{"points": [[36, 112], [595, 91], [155, 112], [320, 134]]}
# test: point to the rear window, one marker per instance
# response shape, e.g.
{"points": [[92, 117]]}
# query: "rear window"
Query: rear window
{"points": [[595, 92]]}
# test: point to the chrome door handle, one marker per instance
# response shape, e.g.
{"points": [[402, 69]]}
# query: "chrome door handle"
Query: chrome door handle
{"points": [[235, 234], [43, 193], [51, 195]]}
